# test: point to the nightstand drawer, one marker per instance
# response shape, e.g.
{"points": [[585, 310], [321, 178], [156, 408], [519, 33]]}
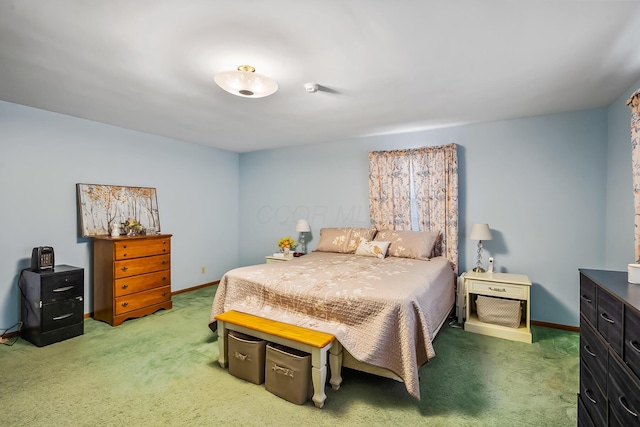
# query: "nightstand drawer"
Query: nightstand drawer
{"points": [[61, 314], [63, 286], [496, 289]]}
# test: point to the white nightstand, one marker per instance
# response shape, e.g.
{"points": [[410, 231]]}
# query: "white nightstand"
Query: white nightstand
{"points": [[504, 285], [272, 258]]}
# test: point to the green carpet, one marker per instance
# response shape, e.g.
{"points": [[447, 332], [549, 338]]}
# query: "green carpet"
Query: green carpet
{"points": [[162, 370]]}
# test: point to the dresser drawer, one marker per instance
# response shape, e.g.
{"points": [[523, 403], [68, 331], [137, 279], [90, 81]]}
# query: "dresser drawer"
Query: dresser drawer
{"points": [[593, 398], [61, 314], [632, 340], [141, 248], [497, 289], [584, 420], [594, 353], [588, 299], [142, 282], [624, 400], [142, 299], [64, 286], [132, 267], [610, 313]]}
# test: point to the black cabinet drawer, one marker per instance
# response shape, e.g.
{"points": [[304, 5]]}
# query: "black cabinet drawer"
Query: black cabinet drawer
{"points": [[593, 398], [610, 314], [61, 314], [584, 420], [62, 286], [623, 387], [594, 353], [632, 340], [588, 299]]}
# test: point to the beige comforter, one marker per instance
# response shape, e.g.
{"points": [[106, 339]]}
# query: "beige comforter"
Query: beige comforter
{"points": [[385, 312]]}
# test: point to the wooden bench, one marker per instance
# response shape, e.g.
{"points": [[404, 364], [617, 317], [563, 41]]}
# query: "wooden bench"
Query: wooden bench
{"points": [[313, 342]]}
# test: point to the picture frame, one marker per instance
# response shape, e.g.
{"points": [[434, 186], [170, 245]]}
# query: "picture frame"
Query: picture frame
{"points": [[101, 206]]}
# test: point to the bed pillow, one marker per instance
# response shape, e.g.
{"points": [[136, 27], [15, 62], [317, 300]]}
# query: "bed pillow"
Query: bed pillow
{"points": [[375, 249], [343, 240], [409, 244]]}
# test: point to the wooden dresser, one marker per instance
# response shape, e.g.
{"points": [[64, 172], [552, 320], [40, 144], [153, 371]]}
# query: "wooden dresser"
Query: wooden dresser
{"points": [[132, 276], [609, 349]]}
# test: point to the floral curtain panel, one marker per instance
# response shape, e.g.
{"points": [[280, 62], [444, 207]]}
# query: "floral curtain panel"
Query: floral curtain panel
{"points": [[436, 194], [390, 190], [430, 176], [634, 103]]}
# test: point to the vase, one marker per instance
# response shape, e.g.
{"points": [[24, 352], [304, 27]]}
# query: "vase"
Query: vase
{"points": [[286, 251]]}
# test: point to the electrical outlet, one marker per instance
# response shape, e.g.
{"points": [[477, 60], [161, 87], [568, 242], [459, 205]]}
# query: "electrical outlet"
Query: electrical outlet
{"points": [[202, 272]]}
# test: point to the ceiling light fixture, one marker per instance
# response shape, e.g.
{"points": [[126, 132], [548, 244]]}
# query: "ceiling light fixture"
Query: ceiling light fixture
{"points": [[246, 82]]}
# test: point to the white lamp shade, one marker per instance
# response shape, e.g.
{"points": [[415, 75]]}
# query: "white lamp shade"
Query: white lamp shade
{"points": [[302, 226], [480, 232], [246, 84]]}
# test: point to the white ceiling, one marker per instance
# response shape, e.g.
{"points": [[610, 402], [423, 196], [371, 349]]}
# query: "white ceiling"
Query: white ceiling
{"points": [[387, 66]]}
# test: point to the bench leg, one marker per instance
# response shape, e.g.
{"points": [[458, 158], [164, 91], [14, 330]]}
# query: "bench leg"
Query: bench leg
{"points": [[335, 363], [319, 374], [222, 344]]}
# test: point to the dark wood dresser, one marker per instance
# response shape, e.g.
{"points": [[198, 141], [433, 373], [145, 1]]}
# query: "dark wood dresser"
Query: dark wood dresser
{"points": [[609, 349], [52, 307], [132, 277]]}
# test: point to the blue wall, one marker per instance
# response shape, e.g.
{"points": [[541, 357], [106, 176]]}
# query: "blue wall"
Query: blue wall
{"points": [[539, 182], [42, 157], [555, 189]]}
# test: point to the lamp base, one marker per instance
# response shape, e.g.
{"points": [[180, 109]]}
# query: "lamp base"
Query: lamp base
{"points": [[478, 270]]}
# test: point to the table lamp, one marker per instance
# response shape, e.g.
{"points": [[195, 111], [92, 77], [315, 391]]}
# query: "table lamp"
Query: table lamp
{"points": [[302, 226], [480, 232]]}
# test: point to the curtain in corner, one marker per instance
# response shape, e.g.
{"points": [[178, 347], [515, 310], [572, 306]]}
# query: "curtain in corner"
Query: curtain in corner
{"points": [[390, 190], [436, 194], [634, 103]]}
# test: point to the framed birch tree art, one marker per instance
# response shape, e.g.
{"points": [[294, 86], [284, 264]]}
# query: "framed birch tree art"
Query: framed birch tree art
{"points": [[101, 207]]}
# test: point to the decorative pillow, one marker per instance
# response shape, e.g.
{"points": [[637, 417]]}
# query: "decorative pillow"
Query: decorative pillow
{"points": [[409, 244], [343, 240], [369, 248]]}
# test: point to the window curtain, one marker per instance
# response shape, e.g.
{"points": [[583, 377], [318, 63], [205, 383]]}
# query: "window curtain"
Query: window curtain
{"points": [[634, 103], [390, 190], [434, 173], [436, 194]]}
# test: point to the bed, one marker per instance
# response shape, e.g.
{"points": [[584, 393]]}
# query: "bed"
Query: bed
{"points": [[383, 310]]}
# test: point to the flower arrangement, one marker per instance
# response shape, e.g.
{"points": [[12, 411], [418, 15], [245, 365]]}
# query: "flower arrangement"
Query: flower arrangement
{"points": [[286, 243], [131, 226]]}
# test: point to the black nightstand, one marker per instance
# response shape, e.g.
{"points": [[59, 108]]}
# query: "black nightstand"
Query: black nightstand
{"points": [[52, 304]]}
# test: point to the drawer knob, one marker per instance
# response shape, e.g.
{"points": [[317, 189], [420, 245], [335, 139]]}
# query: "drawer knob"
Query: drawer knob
{"points": [[587, 393], [164, 250], [124, 304], [125, 286], [66, 288], [584, 297], [125, 268], [588, 350], [497, 289], [164, 278], [164, 294], [163, 262], [124, 246], [164, 242], [622, 399], [606, 318], [634, 345], [124, 254]]}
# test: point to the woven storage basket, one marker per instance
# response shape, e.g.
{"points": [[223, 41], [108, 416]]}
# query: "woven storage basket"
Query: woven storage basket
{"points": [[246, 357], [499, 311]]}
